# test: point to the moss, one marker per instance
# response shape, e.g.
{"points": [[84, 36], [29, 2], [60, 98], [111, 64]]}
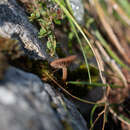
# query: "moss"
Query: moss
{"points": [[81, 74], [3, 65], [66, 125], [9, 50], [34, 66], [53, 105]]}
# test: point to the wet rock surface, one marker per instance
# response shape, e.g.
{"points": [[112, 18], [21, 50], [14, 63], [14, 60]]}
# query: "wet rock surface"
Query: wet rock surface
{"points": [[14, 23], [27, 103]]}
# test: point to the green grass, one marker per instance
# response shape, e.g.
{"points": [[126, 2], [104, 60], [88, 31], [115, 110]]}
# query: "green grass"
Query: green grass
{"points": [[93, 84]]}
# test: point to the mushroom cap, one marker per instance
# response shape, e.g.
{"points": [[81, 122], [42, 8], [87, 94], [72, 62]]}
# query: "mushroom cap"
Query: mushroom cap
{"points": [[63, 62]]}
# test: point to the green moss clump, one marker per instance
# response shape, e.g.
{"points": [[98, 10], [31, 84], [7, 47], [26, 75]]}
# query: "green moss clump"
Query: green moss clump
{"points": [[81, 74]]}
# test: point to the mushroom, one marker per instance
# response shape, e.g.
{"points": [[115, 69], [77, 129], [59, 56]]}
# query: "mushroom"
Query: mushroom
{"points": [[63, 63]]}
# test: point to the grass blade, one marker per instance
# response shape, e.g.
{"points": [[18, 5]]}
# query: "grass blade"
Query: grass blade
{"points": [[93, 84]]}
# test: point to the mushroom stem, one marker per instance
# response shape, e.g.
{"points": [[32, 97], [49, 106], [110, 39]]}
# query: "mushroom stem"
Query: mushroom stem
{"points": [[62, 64], [64, 74]]}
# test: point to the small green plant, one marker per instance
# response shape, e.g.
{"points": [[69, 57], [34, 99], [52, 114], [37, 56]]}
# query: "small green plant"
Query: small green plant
{"points": [[46, 15]]}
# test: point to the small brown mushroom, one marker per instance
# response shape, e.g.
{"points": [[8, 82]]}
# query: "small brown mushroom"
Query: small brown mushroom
{"points": [[63, 63]]}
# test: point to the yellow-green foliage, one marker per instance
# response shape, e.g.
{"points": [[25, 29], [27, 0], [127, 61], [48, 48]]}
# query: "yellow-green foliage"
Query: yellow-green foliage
{"points": [[46, 14]]}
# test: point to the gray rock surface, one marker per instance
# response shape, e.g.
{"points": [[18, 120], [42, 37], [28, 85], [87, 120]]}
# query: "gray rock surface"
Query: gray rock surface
{"points": [[28, 104], [78, 10], [15, 24]]}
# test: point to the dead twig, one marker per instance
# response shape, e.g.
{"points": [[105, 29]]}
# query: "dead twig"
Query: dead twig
{"points": [[64, 90], [119, 10], [110, 32]]}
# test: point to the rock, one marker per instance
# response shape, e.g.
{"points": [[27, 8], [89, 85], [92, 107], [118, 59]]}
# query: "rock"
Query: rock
{"points": [[15, 24], [78, 10], [28, 104]]}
